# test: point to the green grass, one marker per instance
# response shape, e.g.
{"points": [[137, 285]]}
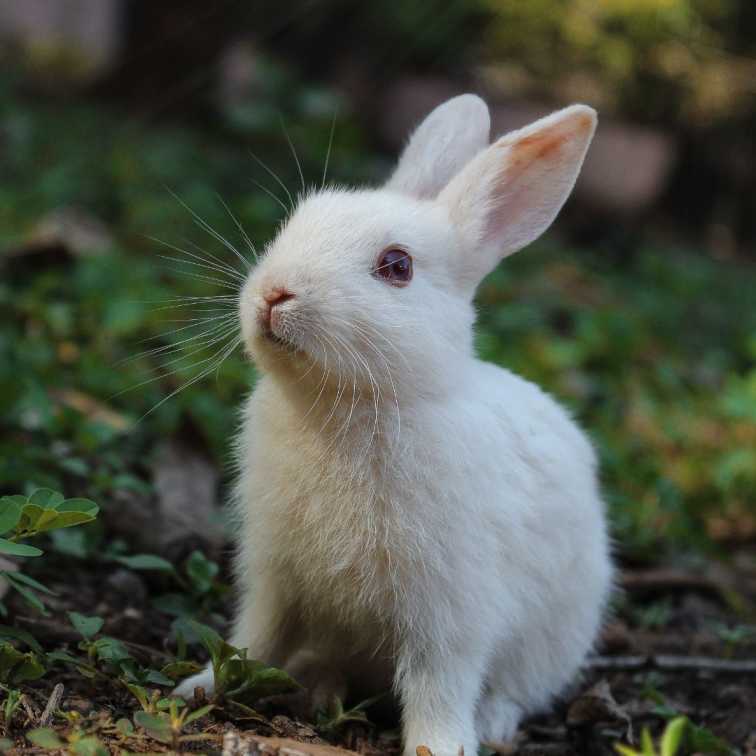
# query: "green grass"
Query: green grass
{"points": [[655, 354]]}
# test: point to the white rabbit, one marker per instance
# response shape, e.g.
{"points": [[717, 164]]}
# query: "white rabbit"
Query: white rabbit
{"points": [[407, 514]]}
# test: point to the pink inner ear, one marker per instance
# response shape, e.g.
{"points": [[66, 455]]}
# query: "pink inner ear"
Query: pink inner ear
{"points": [[539, 146], [525, 163]]}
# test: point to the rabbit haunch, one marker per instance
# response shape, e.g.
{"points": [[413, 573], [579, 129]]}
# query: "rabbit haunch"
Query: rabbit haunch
{"points": [[407, 514]]}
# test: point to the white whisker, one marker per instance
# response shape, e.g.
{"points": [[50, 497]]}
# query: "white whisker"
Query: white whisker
{"points": [[280, 183], [294, 153], [242, 231], [205, 226], [328, 151], [213, 263], [218, 334], [207, 279], [225, 353]]}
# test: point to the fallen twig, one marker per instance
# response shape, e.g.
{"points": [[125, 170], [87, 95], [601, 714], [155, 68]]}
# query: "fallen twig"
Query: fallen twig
{"points": [[664, 580], [674, 663], [53, 703]]}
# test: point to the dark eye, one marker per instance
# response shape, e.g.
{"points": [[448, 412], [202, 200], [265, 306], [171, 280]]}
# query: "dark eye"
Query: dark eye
{"points": [[395, 267]]}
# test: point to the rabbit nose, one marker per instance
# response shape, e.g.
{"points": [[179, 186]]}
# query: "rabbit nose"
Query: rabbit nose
{"points": [[272, 299]]}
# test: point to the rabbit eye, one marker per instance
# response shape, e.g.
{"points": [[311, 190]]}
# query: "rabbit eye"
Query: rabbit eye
{"points": [[394, 266]]}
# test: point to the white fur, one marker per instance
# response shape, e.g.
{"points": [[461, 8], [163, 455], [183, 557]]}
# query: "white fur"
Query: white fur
{"points": [[408, 514]]}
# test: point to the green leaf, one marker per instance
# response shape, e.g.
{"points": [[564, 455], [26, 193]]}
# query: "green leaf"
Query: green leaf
{"points": [[673, 734], [9, 658], [156, 726], [46, 498], [145, 562], [199, 713], [45, 520], [30, 668], [31, 582], [84, 506], [17, 667], [141, 694], [64, 656], [29, 596], [59, 520], [72, 542], [125, 727], [89, 746], [180, 669], [252, 679], [647, 744], [111, 650], [703, 740], [23, 635], [210, 640], [82, 667], [30, 515], [45, 737], [177, 605], [158, 678], [18, 549], [10, 512], [164, 704], [87, 627], [201, 571]]}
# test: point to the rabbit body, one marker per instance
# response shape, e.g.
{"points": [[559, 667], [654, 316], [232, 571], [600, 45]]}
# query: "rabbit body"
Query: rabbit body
{"points": [[427, 520], [477, 579]]}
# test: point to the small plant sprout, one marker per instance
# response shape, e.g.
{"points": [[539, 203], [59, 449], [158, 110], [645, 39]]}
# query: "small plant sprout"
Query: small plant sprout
{"points": [[237, 677], [733, 637], [23, 517], [16, 668], [107, 657], [336, 717], [679, 732], [668, 745], [77, 742], [168, 726]]}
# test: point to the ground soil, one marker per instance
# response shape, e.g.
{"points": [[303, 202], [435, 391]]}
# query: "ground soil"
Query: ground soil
{"points": [[680, 641]]}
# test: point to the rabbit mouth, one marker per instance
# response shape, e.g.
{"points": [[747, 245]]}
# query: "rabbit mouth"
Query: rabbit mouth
{"points": [[280, 342]]}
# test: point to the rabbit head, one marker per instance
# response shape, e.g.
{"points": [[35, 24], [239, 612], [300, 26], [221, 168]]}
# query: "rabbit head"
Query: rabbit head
{"points": [[375, 286]]}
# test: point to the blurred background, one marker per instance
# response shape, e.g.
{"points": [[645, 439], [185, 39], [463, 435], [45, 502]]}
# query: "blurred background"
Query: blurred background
{"points": [[125, 121]]}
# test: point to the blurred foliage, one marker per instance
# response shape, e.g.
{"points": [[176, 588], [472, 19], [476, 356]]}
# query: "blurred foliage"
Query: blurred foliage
{"points": [[652, 59], [655, 353], [657, 357]]}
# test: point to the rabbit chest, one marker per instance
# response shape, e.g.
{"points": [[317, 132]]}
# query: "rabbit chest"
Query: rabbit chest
{"points": [[361, 536]]}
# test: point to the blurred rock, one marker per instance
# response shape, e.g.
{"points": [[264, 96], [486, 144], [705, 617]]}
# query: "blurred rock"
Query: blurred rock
{"points": [[67, 231], [627, 167], [64, 39], [238, 74], [128, 586], [186, 482], [135, 518], [182, 515]]}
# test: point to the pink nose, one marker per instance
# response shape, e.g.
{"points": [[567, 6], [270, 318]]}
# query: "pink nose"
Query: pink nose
{"points": [[273, 298]]}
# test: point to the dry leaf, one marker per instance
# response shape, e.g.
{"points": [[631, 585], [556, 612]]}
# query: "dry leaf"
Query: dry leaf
{"points": [[92, 408], [236, 744], [597, 704]]}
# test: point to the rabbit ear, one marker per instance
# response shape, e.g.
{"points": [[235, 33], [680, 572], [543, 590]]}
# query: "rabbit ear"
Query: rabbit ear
{"points": [[509, 194], [441, 145]]}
